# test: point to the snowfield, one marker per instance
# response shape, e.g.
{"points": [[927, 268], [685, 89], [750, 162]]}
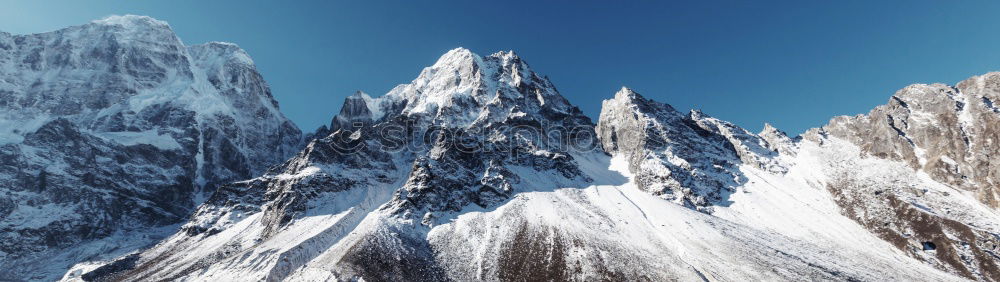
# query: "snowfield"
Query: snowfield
{"points": [[779, 227]]}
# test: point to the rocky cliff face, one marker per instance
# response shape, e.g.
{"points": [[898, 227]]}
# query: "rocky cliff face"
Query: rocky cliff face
{"points": [[114, 128], [948, 132], [941, 132]]}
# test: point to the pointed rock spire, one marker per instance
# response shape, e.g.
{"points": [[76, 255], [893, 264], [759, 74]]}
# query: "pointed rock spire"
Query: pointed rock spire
{"points": [[355, 112]]}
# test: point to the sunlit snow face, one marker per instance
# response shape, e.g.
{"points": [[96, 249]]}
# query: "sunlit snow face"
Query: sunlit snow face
{"points": [[469, 103]]}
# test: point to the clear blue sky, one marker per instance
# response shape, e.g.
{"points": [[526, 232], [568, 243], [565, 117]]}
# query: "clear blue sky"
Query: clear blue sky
{"points": [[792, 63]]}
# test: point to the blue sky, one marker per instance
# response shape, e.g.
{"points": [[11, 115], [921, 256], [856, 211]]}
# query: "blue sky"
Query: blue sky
{"points": [[792, 63]]}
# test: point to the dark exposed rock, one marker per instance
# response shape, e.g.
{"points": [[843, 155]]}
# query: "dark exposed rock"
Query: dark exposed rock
{"points": [[396, 257], [353, 114], [126, 262], [957, 247]]}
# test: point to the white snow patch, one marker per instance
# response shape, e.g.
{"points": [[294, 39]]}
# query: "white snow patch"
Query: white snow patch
{"points": [[34, 217], [13, 129], [151, 137]]}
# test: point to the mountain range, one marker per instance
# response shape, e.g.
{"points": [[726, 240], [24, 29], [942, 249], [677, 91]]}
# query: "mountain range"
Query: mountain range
{"points": [[129, 156]]}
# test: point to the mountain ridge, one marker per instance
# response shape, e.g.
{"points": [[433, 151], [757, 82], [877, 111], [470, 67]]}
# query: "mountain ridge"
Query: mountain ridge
{"points": [[354, 200], [478, 169]]}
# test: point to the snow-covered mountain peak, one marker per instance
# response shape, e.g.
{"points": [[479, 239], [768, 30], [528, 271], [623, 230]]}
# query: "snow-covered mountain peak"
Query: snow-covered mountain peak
{"points": [[633, 100], [126, 28], [360, 94], [462, 88], [456, 57], [625, 93], [358, 109], [777, 140], [464, 57], [220, 51], [698, 114], [770, 129], [154, 126], [470, 132], [131, 21], [627, 96], [941, 139], [506, 55]]}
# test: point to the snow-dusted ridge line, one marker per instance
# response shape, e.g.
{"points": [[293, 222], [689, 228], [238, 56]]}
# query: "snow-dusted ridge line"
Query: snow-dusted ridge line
{"points": [[676, 196], [129, 20]]}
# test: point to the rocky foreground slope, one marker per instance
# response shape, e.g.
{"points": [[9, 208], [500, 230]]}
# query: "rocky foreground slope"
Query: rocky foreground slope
{"points": [[480, 170], [112, 132]]}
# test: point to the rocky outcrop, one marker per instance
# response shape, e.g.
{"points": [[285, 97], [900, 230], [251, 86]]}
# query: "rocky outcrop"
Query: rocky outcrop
{"points": [[777, 140], [945, 242], [353, 114], [692, 159], [947, 132]]}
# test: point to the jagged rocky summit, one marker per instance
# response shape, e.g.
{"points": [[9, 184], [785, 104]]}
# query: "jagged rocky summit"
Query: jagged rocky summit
{"points": [[113, 131]]}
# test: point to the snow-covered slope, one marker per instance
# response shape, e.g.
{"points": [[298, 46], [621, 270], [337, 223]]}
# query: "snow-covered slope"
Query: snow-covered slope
{"points": [[479, 170], [821, 188], [114, 129]]}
